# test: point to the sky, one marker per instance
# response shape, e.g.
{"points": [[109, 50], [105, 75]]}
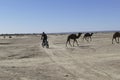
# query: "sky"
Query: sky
{"points": [[51, 16]]}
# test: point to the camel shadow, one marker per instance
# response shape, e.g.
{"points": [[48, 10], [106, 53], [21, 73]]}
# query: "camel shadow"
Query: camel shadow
{"points": [[84, 46], [5, 43], [89, 47]]}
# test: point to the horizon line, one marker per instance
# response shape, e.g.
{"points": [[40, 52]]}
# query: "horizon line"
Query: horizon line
{"points": [[64, 32]]}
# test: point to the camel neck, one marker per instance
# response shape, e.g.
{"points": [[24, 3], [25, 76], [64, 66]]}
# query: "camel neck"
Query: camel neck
{"points": [[78, 36], [91, 34]]}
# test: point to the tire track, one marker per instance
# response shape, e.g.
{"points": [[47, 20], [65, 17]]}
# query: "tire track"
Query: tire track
{"points": [[77, 68]]}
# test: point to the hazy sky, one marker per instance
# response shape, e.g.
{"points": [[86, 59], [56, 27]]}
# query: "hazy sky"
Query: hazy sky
{"points": [[36, 16]]}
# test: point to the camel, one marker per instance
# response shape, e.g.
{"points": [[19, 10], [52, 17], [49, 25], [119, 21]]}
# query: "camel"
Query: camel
{"points": [[116, 36], [73, 37], [87, 36]]}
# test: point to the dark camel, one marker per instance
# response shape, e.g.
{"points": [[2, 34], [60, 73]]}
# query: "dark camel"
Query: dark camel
{"points": [[87, 36], [116, 36], [74, 37]]}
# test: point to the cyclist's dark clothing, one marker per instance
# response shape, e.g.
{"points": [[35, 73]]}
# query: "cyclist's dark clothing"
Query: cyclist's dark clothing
{"points": [[44, 37]]}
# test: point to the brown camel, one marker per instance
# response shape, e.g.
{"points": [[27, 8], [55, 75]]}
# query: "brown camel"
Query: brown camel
{"points": [[116, 36], [87, 36], [73, 37]]}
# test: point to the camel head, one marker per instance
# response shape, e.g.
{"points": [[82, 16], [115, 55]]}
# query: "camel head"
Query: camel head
{"points": [[92, 34], [79, 34]]}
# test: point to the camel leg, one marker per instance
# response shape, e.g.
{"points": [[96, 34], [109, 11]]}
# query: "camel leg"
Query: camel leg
{"points": [[112, 40], [116, 40], [73, 43], [83, 38], [87, 39], [68, 40], [70, 43], [90, 39], [66, 43], [77, 42]]}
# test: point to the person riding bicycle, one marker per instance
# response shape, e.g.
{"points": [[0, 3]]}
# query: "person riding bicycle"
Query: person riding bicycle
{"points": [[44, 38]]}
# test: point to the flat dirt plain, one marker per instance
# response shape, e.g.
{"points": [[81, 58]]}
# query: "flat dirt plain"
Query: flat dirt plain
{"points": [[23, 58]]}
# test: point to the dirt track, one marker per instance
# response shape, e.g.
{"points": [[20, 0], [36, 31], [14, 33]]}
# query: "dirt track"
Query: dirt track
{"points": [[23, 58]]}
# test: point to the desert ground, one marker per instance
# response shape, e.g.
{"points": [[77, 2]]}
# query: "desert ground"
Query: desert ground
{"points": [[23, 58]]}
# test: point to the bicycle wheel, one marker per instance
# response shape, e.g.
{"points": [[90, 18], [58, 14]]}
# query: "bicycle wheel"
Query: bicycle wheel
{"points": [[47, 45], [43, 44]]}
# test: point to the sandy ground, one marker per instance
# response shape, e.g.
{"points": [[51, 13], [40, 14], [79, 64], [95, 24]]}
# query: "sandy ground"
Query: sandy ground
{"points": [[23, 58]]}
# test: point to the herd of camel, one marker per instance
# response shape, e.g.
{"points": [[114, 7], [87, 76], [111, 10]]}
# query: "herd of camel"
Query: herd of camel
{"points": [[87, 37]]}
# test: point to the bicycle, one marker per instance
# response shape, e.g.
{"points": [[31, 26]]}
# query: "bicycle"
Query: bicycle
{"points": [[45, 44]]}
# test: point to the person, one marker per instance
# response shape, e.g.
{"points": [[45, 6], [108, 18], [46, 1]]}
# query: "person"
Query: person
{"points": [[44, 38]]}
